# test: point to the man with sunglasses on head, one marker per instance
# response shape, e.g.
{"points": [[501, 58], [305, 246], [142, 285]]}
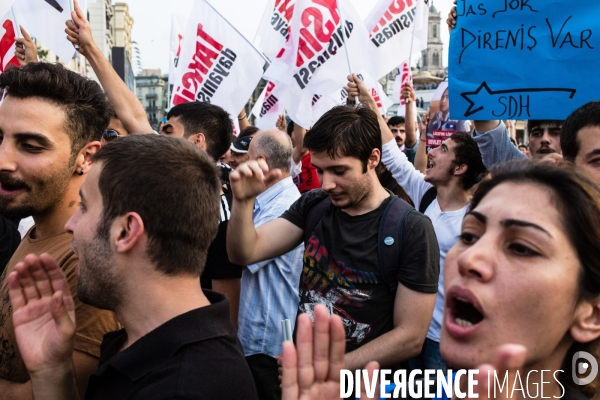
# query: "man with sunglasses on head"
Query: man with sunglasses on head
{"points": [[51, 120]]}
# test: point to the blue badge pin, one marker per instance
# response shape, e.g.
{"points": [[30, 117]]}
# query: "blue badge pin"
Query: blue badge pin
{"points": [[389, 241]]}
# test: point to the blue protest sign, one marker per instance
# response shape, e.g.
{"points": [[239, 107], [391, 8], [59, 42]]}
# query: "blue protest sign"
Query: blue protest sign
{"points": [[523, 59]]}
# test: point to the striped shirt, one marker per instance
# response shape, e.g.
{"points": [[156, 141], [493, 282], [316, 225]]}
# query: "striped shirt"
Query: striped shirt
{"points": [[270, 288]]}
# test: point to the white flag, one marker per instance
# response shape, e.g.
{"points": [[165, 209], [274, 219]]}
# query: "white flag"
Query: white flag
{"points": [[7, 42], [392, 24], [217, 64], [268, 107], [178, 25], [45, 19], [274, 29], [5, 6], [403, 77], [314, 60]]}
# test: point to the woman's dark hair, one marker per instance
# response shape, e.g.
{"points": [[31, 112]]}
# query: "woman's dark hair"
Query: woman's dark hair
{"points": [[174, 188], [85, 105], [577, 198], [345, 131], [248, 131]]}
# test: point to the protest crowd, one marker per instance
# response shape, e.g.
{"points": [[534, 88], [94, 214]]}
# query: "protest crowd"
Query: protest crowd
{"points": [[215, 259]]}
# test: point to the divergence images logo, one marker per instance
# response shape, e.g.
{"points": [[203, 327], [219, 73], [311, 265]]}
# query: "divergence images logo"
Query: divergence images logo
{"points": [[580, 367]]}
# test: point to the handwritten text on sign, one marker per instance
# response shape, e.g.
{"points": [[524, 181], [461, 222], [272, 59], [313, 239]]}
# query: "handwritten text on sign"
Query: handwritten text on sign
{"points": [[523, 59]]}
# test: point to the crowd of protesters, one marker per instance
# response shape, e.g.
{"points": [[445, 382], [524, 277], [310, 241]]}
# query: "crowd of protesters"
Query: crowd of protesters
{"points": [[161, 264]]}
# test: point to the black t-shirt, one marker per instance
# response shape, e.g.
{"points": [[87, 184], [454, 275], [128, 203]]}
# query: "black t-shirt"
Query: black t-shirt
{"points": [[341, 268], [196, 355], [218, 265]]}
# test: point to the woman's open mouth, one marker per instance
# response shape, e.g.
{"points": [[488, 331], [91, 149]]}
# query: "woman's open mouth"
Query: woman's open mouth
{"points": [[463, 312]]}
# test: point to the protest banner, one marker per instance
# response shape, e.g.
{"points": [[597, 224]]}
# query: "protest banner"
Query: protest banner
{"points": [[7, 42], [523, 59], [178, 25], [397, 28], [441, 126], [217, 64], [45, 19], [274, 29], [314, 58], [267, 108]]}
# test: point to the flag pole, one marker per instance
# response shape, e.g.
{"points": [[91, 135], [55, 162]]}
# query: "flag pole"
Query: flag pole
{"points": [[244, 37], [17, 27], [345, 43], [73, 9], [412, 42]]}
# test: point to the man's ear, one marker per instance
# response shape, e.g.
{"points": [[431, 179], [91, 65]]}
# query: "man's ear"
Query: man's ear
{"points": [[127, 231], [374, 159], [460, 170], [199, 140], [586, 324], [83, 163]]}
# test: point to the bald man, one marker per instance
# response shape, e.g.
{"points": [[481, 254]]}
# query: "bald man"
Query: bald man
{"points": [[269, 288]]}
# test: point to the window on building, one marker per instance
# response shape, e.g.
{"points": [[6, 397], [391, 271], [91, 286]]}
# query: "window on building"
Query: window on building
{"points": [[436, 59], [424, 60], [435, 31]]}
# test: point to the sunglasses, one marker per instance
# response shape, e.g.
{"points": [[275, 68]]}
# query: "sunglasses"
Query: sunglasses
{"points": [[109, 135]]}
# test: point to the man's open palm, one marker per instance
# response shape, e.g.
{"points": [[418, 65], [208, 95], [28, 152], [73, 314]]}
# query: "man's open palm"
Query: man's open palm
{"points": [[43, 313]]}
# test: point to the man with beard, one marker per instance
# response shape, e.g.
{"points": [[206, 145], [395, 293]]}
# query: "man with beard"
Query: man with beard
{"points": [[50, 122], [140, 256], [495, 145], [386, 315]]}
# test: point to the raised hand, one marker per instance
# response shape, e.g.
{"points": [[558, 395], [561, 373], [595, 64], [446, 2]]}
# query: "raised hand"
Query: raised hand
{"points": [[509, 358], [25, 48], [251, 179], [357, 88], [280, 124], [43, 314], [408, 92], [78, 30], [311, 370], [451, 21]]}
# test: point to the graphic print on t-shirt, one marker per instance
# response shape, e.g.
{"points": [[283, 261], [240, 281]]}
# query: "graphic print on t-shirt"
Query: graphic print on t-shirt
{"points": [[331, 283]]}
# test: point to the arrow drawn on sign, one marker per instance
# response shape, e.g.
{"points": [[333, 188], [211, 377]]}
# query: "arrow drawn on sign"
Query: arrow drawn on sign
{"points": [[473, 109], [54, 4]]}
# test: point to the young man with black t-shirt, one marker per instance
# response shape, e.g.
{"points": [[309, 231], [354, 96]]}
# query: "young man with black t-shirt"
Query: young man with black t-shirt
{"points": [[341, 268]]}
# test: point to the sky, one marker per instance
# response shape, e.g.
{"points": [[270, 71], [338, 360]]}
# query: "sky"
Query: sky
{"points": [[152, 22]]}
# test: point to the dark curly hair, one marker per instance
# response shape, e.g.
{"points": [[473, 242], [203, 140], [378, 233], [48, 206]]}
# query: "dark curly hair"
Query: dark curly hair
{"points": [[467, 152]]}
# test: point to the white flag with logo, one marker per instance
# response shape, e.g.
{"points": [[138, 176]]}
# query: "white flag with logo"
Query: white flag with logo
{"points": [[178, 25], [314, 60], [45, 19], [268, 107], [7, 42], [392, 24], [274, 28], [403, 77], [217, 64]]}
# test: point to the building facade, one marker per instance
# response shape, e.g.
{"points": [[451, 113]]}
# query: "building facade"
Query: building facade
{"points": [[152, 91], [432, 57]]}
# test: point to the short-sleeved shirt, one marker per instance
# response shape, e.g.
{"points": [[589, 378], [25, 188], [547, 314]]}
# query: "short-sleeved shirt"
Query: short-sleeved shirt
{"points": [[341, 267], [195, 355], [92, 323]]}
